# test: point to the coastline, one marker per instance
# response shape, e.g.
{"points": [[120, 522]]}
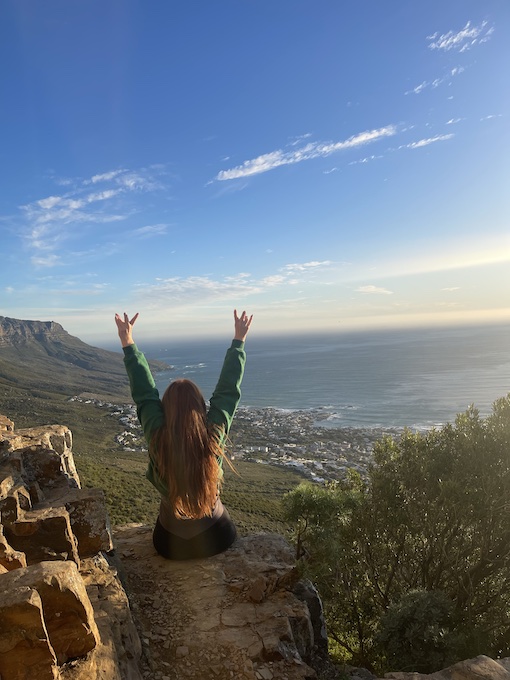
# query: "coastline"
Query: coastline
{"points": [[292, 438]]}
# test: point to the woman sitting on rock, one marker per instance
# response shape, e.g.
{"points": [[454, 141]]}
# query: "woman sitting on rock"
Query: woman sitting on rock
{"points": [[186, 447]]}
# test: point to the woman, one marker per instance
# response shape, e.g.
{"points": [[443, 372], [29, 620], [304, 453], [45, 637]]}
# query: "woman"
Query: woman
{"points": [[186, 447]]}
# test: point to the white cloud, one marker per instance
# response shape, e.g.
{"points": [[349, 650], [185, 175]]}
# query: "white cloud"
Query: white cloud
{"points": [[457, 70], [9, 290], [50, 221], [453, 121], [104, 177], [305, 266], [150, 230], [462, 40], [373, 290], [450, 290], [492, 115], [365, 160], [426, 142], [199, 289], [275, 159], [50, 260], [297, 140]]}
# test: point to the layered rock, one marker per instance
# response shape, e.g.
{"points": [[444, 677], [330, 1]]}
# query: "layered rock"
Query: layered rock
{"points": [[64, 614]]}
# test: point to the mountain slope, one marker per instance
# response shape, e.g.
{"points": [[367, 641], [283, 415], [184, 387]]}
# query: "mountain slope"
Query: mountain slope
{"points": [[40, 359]]}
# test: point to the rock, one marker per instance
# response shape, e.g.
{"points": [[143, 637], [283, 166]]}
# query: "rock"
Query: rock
{"points": [[75, 611], [44, 535], [89, 518], [10, 558], [67, 610], [307, 592], [479, 668], [238, 636], [6, 425], [25, 651]]}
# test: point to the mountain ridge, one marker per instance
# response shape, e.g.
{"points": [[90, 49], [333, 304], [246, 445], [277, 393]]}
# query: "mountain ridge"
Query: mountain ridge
{"points": [[40, 357]]}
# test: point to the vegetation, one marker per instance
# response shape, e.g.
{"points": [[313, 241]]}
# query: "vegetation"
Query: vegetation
{"points": [[416, 557]]}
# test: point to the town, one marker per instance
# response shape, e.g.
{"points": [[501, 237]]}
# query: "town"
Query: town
{"points": [[297, 439]]}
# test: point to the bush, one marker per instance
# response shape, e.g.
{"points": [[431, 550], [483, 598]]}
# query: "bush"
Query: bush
{"points": [[417, 632], [432, 515]]}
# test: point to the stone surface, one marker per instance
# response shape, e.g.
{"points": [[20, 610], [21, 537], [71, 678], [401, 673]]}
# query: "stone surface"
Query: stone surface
{"points": [[68, 613], [479, 668], [209, 609], [6, 425], [89, 518], [71, 619], [44, 535], [25, 651], [10, 558]]}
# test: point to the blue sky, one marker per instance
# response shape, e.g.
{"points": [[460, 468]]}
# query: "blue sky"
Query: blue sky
{"points": [[326, 165]]}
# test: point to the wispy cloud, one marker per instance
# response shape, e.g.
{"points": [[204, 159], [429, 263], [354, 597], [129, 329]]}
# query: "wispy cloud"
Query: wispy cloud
{"points": [[199, 289], [278, 158], [450, 290], [49, 222], [150, 230], [447, 78], [454, 121], [492, 115], [373, 290], [425, 142], [462, 40], [305, 266], [367, 159]]}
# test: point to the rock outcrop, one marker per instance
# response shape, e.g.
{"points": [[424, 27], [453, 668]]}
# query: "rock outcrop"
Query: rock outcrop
{"points": [[242, 614], [64, 614]]}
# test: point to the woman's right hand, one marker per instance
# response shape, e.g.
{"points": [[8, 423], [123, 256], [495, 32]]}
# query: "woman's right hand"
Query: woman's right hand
{"points": [[242, 325], [125, 329]]}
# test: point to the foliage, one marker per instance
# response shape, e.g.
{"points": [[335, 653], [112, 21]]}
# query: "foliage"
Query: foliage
{"points": [[416, 633], [432, 515]]}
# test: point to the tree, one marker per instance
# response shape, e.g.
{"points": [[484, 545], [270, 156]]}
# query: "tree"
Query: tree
{"points": [[432, 515]]}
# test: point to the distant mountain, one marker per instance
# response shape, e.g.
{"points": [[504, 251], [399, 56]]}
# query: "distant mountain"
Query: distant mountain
{"points": [[40, 358]]}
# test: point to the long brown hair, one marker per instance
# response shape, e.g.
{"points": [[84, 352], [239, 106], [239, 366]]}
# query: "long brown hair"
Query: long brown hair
{"points": [[186, 450]]}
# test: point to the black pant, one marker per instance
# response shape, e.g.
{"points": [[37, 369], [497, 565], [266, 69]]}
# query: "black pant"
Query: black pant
{"points": [[212, 541]]}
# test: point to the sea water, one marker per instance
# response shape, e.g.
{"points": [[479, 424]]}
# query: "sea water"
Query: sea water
{"points": [[415, 378]]}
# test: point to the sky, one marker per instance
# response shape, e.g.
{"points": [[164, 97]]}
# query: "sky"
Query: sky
{"points": [[325, 165]]}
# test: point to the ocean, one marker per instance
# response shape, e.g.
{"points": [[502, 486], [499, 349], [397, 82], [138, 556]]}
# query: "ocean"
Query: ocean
{"points": [[414, 378]]}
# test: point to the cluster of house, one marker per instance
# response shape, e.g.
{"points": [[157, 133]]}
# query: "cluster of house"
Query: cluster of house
{"points": [[296, 439]]}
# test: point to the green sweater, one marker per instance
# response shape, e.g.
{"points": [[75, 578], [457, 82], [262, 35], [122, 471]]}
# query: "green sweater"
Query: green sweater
{"points": [[222, 405]]}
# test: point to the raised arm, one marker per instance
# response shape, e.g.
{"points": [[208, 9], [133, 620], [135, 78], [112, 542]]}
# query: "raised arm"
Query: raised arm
{"points": [[143, 389], [227, 393]]}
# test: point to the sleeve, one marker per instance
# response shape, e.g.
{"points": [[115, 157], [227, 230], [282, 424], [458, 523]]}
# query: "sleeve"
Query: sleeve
{"points": [[227, 394], [143, 390]]}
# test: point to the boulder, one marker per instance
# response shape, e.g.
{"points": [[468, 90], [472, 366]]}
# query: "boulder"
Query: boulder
{"points": [[480, 668], [44, 535], [25, 651], [6, 425], [89, 518], [67, 611]]}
